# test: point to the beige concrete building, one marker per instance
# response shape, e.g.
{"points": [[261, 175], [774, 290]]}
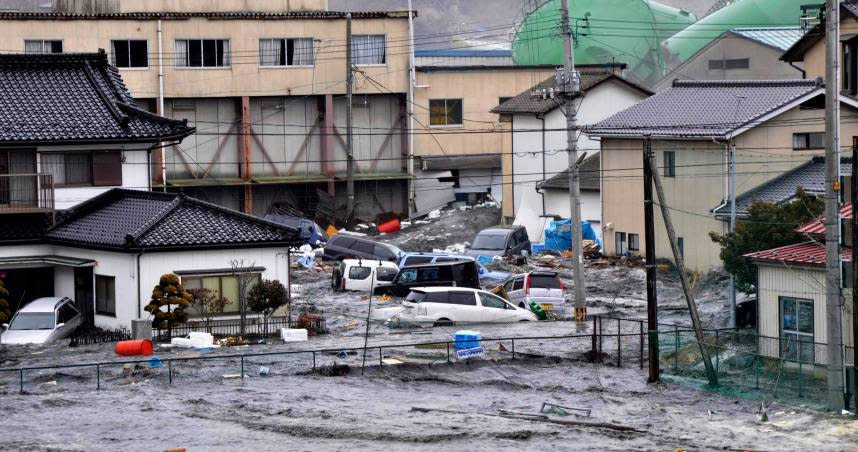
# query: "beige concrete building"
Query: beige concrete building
{"points": [[262, 81], [774, 125]]}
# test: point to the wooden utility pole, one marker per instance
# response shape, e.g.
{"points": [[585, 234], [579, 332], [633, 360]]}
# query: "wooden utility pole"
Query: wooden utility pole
{"points": [[732, 194], [651, 292], [350, 159], [569, 84], [833, 300], [683, 278]]}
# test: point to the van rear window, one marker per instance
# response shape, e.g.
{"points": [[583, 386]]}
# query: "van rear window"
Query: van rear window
{"points": [[415, 260], [545, 282], [416, 297]]}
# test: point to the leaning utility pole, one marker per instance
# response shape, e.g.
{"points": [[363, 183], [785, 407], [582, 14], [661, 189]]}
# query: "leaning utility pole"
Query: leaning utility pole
{"points": [[350, 158], [683, 278], [570, 85], [651, 292], [854, 275], [732, 194], [833, 299]]}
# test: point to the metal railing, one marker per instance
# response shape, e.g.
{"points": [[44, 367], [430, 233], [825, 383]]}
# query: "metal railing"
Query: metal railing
{"points": [[25, 193], [253, 327]]}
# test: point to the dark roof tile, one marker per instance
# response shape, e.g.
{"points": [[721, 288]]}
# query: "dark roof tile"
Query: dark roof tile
{"points": [[588, 176]]}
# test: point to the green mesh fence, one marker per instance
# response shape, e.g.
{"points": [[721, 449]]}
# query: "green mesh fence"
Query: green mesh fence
{"points": [[751, 366]]}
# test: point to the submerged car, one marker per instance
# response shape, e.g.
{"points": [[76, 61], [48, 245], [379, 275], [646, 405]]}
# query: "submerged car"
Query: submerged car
{"points": [[41, 321], [458, 273], [450, 305], [362, 274], [500, 241], [415, 258], [542, 287], [350, 246], [309, 229]]}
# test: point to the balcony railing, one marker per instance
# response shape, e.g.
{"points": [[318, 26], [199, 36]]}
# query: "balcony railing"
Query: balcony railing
{"points": [[26, 193]]}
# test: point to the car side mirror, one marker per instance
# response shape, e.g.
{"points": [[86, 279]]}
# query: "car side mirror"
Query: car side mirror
{"points": [[5, 326], [60, 325]]}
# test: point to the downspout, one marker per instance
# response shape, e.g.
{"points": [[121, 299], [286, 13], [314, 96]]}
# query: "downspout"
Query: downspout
{"points": [[139, 307], [412, 81], [161, 101], [803, 72], [543, 168]]}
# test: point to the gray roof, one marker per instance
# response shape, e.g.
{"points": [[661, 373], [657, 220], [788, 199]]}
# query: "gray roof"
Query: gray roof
{"points": [[780, 38], [463, 161], [588, 176], [809, 176], [710, 108], [527, 103], [130, 220], [73, 98]]}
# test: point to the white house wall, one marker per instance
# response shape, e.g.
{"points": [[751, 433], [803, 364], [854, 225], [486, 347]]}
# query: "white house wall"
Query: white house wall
{"points": [[784, 280]]}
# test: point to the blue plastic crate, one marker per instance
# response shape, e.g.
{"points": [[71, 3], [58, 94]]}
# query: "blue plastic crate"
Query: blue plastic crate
{"points": [[466, 339]]}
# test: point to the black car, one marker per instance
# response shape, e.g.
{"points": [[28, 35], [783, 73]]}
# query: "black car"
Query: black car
{"points": [[347, 246], [453, 274]]}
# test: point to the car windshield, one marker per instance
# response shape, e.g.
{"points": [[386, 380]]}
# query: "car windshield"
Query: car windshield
{"points": [[33, 321], [489, 242]]}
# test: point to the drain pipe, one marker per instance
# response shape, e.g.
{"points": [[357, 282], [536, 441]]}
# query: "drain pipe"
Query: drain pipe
{"points": [[139, 307], [161, 101], [536, 187]]}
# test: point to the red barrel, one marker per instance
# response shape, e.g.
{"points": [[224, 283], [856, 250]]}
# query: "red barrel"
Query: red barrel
{"points": [[390, 226], [134, 348]]}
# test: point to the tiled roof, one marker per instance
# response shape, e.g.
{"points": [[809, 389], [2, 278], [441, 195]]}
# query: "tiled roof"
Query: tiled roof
{"points": [[588, 176], [809, 176], [23, 228], [809, 253], [527, 103], [709, 108], [134, 220], [235, 15], [73, 98], [780, 38], [817, 226]]}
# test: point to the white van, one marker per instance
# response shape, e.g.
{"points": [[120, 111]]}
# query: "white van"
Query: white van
{"points": [[363, 274]]}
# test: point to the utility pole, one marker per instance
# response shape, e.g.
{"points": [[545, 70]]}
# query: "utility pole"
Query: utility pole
{"points": [[570, 85], [683, 278], [412, 83], [854, 191], [651, 292], [833, 299], [350, 158], [732, 194]]}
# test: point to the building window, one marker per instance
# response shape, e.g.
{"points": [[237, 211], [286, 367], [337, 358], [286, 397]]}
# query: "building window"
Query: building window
{"points": [[286, 52], [680, 243], [850, 66], [368, 49], [622, 248], [445, 112], [812, 140], [67, 168], [222, 285], [729, 64], [100, 168], [130, 53], [43, 46], [634, 242], [105, 295], [796, 329], [202, 53], [669, 164]]}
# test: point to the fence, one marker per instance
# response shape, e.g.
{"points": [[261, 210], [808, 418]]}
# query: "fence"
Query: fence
{"points": [[253, 327], [88, 337]]}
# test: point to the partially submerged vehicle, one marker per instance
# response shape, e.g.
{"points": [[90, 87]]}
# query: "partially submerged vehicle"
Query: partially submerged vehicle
{"points": [[351, 246], [41, 321], [500, 241], [459, 273], [543, 288], [363, 274], [414, 258], [309, 230], [438, 306]]}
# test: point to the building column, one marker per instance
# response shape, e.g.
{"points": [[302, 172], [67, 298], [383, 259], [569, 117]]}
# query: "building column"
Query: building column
{"points": [[246, 173], [327, 142], [157, 163]]}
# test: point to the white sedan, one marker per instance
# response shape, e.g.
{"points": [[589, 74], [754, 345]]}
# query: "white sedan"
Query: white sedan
{"points": [[449, 305], [41, 321]]}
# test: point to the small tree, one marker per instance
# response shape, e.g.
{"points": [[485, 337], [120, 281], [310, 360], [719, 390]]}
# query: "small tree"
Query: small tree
{"points": [[265, 297], [768, 226], [169, 294], [5, 308], [244, 276], [207, 303]]}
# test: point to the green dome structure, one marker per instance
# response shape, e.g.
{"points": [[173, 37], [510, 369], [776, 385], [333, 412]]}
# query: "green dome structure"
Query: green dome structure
{"points": [[740, 13], [605, 31]]}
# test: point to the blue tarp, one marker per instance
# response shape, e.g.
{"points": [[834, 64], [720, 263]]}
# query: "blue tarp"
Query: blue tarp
{"points": [[559, 238]]}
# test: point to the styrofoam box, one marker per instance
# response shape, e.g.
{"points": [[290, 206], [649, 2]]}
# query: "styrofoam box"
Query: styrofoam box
{"points": [[293, 335]]}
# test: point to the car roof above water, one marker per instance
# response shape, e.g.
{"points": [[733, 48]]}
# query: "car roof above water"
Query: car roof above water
{"points": [[46, 304], [432, 289]]}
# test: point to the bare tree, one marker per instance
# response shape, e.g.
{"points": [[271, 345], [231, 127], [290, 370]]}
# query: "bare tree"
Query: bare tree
{"points": [[243, 273], [206, 304]]}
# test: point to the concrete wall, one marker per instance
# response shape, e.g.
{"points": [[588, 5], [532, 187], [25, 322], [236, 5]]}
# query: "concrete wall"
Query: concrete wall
{"points": [[480, 91], [701, 182], [764, 63], [244, 77], [776, 281]]}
